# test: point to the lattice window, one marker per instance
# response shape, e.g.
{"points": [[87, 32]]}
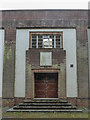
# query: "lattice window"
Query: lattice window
{"points": [[46, 40]]}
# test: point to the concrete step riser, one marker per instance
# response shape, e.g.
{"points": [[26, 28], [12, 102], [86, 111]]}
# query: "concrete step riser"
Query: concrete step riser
{"points": [[46, 102], [44, 106], [12, 110]]}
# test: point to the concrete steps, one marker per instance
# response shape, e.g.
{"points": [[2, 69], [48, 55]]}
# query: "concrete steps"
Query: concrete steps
{"points": [[44, 106], [27, 110], [43, 101]]}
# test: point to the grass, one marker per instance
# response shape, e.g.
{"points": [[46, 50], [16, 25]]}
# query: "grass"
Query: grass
{"points": [[43, 115]]}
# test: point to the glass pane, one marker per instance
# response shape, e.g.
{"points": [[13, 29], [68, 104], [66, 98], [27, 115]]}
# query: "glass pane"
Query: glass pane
{"points": [[34, 36], [33, 41], [46, 43]]}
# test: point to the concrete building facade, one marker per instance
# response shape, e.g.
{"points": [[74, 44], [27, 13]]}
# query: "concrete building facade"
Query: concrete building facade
{"points": [[45, 55]]}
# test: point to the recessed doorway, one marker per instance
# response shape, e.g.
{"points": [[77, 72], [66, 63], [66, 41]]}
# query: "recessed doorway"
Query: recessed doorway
{"points": [[46, 85]]}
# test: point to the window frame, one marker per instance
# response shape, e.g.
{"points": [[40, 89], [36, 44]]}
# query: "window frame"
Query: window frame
{"points": [[44, 33]]}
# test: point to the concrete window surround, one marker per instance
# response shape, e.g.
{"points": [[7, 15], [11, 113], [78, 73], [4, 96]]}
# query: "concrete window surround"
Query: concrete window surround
{"points": [[69, 44]]}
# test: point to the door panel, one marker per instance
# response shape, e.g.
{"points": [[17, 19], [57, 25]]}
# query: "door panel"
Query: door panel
{"points": [[52, 94], [51, 86]]}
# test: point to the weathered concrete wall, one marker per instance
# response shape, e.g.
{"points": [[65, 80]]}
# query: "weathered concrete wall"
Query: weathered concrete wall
{"points": [[82, 61], [63, 79], [9, 70], [58, 55], [1, 59], [9, 63], [28, 92], [51, 19], [89, 56]]}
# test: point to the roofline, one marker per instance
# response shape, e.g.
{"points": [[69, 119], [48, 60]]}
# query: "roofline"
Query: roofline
{"points": [[11, 10]]}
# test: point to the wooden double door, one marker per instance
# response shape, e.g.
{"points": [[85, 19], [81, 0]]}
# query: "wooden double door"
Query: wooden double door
{"points": [[46, 85]]}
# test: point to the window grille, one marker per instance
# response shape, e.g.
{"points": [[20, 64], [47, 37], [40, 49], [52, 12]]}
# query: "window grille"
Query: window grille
{"points": [[46, 40]]}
